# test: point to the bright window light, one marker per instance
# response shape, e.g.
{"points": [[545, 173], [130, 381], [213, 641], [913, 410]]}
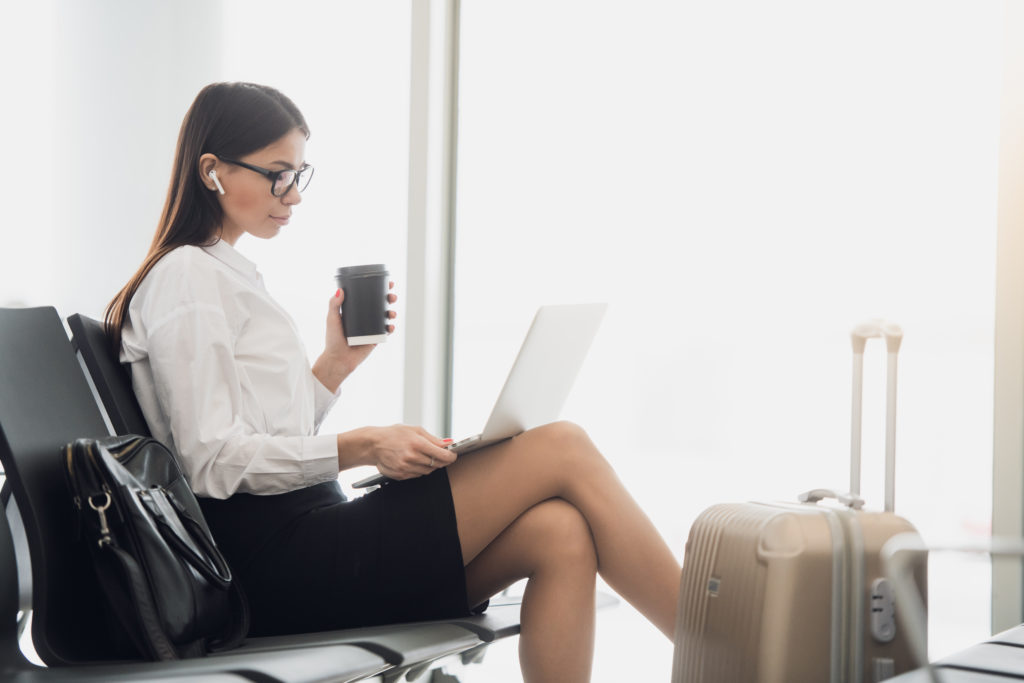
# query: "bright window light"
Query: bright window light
{"points": [[743, 182], [346, 65]]}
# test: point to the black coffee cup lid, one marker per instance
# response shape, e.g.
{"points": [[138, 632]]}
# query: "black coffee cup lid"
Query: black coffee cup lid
{"points": [[356, 271]]}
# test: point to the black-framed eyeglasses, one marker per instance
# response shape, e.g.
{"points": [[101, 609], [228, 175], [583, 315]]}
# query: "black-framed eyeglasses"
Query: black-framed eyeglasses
{"points": [[281, 182]]}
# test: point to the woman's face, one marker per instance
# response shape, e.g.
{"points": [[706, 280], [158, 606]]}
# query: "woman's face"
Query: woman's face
{"points": [[248, 205]]}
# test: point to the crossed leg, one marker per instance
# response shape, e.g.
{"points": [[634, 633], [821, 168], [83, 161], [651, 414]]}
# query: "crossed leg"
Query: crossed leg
{"points": [[496, 490], [549, 544]]}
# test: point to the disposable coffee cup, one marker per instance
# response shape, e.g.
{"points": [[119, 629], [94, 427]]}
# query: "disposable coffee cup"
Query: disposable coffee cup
{"points": [[364, 311]]}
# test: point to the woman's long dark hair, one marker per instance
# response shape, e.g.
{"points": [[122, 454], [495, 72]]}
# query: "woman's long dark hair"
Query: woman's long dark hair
{"points": [[226, 119]]}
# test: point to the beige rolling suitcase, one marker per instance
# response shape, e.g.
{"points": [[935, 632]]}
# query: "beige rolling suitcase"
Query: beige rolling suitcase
{"points": [[795, 593]]}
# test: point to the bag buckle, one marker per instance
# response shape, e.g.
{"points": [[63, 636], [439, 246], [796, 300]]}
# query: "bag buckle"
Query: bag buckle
{"points": [[101, 510]]}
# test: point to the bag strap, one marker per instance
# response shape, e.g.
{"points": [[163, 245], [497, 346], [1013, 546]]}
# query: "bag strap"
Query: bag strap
{"points": [[151, 637], [238, 628], [209, 561], [212, 566]]}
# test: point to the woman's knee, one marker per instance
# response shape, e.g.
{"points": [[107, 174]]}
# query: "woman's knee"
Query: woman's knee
{"points": [[566, 441], [562, 536], [564, 433]]}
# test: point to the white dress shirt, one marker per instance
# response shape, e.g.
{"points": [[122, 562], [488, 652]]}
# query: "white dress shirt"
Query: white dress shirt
{"points": [[223, 378]]}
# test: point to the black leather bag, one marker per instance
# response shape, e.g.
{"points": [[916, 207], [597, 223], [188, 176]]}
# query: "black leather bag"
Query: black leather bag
{"points": [[164, 578]]}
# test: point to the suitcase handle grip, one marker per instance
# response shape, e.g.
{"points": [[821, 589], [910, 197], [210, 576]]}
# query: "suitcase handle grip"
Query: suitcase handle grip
{"points": [[891, 332], [850, 500]]}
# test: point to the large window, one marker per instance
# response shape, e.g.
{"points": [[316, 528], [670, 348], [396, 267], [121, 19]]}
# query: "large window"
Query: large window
{"points": [[347, 66], [743, 182]]}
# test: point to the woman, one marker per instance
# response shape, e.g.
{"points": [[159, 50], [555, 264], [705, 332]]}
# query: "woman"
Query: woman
{"points": [[224, 380]]}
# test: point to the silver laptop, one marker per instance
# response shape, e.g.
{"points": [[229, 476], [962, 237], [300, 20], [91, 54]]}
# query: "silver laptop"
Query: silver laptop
{"points": [[540, 379]]}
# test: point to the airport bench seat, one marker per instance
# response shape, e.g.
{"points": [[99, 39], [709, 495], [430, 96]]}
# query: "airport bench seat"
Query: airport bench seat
{"points": [[1013, 636], [400, 645], [949, 675], [45, 402], [1000, 658]]}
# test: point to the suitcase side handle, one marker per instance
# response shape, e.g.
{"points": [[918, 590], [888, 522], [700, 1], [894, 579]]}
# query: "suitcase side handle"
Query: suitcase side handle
{"points": [[859, 336]]}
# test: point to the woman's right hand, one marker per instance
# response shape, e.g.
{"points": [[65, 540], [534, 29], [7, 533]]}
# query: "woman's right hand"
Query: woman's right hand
{"points": [[398, 452]]}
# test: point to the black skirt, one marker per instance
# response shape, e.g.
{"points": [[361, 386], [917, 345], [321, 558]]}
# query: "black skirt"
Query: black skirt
{"points": [[309, 560]]}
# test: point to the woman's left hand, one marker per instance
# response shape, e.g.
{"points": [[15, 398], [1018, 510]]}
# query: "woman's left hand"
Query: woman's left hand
{"points": [[339, 359]]}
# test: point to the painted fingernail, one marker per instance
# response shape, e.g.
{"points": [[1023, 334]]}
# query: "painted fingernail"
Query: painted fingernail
{"points": [[337, 294], [447, 440]]}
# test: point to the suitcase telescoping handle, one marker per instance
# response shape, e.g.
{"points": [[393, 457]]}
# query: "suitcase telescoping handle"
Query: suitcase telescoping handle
{"points": [[859, 336]]}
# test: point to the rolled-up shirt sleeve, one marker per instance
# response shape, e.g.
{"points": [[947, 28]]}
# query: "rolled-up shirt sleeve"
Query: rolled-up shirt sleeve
{"points": [[228, 387]]}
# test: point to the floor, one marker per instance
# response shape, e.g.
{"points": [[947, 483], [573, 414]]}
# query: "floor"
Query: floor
{"points": [[627, 648]]}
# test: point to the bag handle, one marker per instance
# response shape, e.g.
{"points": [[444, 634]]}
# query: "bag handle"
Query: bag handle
{"points": [[210, 563], [893, 336]]}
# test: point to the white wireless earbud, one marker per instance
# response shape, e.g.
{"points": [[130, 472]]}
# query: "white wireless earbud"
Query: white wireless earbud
{"points": [[213, 177]]}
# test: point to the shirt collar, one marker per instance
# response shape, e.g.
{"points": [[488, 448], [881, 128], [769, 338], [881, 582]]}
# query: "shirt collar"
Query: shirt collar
{"points": [[226, 254]]}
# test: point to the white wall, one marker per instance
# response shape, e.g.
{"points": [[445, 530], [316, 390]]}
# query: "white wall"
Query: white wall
{"points": [[26, 185], [124, 74]]}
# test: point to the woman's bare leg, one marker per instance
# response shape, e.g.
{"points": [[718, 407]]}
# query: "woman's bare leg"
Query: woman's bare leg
{"points": [[549, 544], [493, 487]]}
